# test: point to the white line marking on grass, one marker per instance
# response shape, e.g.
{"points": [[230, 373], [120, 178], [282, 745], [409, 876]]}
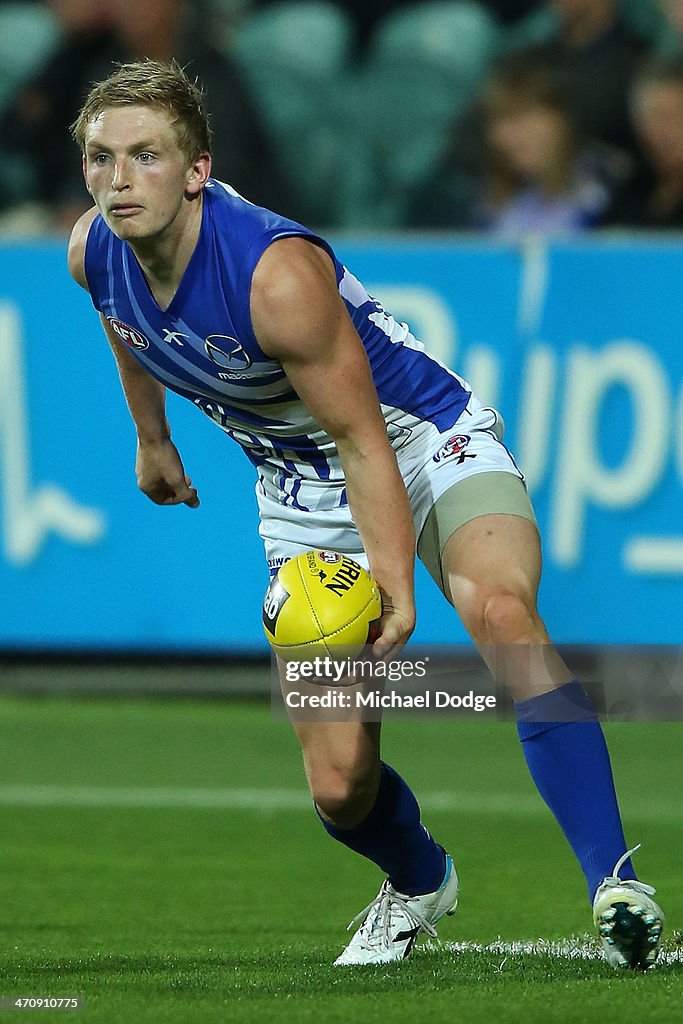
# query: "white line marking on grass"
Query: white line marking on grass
{"points": [[581, 947], [510, 805], [180, 797]]}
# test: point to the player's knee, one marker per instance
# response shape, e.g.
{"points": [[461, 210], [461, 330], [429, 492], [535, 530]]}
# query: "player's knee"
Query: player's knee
{"points": [[493, 614], [508, 617], [343, 796]]}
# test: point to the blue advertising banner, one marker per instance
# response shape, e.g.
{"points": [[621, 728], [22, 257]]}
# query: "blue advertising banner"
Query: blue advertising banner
{"points": [[578, 345]]}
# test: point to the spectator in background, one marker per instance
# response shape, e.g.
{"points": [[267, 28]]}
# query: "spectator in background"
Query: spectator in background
{"points": [[535, 174], [594, 56], [654, 197], [99, 33], [35, 121]]}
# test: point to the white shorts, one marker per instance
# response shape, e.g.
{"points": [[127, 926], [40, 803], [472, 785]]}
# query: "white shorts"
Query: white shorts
{"points": [[431, 462]]}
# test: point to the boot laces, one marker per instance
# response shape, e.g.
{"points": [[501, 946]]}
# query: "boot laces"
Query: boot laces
{"points": [[613, 880], [381, 911]]}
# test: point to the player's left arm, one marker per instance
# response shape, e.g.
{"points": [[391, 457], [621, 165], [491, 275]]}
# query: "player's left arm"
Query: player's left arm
{"points": [[158, 465], [300, 319]]}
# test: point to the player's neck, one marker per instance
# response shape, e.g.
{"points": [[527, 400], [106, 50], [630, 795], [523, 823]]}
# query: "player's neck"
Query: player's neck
{"points": [[164, 259]]}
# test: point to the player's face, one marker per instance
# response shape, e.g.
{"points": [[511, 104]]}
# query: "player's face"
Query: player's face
{"points": [[137, 173]]}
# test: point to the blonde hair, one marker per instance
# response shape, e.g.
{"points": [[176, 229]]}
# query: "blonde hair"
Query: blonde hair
{"points": [[155, 84]]}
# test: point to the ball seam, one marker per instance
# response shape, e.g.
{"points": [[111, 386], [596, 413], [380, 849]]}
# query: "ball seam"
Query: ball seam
{"points": [[310, 605], [323, 639]]}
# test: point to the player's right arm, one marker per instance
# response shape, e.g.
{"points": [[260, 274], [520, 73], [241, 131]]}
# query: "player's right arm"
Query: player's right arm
{"points": [[158, 466]]}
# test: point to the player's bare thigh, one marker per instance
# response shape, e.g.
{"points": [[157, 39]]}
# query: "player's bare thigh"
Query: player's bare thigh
{"points": [[491, 568], [481, 545], [493, 553]]}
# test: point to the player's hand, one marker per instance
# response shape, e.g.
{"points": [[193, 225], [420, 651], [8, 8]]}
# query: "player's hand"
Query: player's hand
{"points": [[161, 476], [395, 626]]}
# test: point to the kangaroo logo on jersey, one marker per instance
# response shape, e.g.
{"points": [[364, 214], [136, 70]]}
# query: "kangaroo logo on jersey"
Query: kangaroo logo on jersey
{"points": [[454, 446], [128, 334], [227, 352]]}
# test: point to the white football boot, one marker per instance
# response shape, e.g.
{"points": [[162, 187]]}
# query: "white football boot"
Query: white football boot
{"points": [[628, 920], [393, 921]]}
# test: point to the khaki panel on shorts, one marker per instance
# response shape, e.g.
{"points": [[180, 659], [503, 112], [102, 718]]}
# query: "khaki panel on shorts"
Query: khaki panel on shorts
{"points": [[482, 494]]}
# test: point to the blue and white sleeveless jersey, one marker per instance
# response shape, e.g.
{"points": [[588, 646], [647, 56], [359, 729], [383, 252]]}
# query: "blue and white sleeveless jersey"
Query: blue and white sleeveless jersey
{"points": [[204, 348]]}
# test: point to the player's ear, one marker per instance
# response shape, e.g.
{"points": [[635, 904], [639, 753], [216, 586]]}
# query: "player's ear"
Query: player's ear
{"points": [[198, 173]]}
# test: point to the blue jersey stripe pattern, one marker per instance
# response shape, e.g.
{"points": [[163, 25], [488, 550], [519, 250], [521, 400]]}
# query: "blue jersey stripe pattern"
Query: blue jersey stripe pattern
{"points": [[203, 347]]}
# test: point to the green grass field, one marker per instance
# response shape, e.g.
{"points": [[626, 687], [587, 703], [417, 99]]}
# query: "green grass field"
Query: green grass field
{"points": [[160, 859]]}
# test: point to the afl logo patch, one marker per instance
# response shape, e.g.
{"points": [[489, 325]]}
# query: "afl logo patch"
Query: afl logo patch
{"points": [[454, 446], [128, 334], [329, 557]]}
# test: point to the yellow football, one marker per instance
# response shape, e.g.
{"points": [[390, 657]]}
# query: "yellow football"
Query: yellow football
{"points": [[321, 603]]}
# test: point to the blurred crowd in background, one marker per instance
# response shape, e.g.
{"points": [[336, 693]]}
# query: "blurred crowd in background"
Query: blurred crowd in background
{"points": [[500, 116]]}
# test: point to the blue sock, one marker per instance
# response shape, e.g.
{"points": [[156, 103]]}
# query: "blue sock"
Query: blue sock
{"points": [[565, 750], [393, 837]]}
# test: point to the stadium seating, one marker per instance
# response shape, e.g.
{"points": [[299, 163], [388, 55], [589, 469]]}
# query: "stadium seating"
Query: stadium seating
{"points": [[645, 17], [425, 64], [28, 33], [458, 37], [649, 19], [353, 138], [535, 28], [293, 56]]}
